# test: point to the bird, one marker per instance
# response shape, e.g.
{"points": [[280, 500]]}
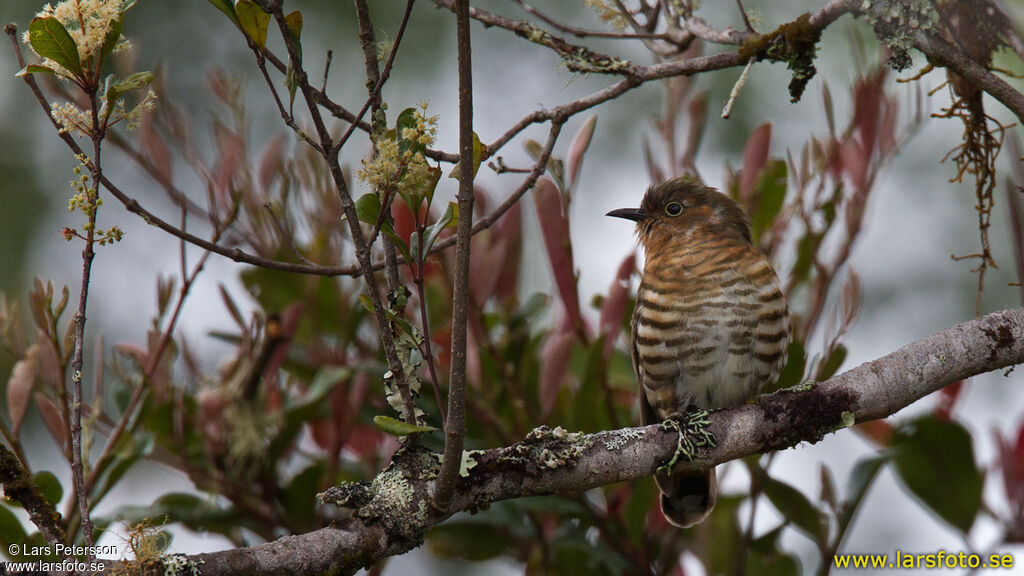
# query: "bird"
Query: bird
{"points": [[711, 325]]}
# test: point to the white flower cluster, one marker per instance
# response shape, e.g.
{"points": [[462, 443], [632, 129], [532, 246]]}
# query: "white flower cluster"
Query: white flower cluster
{"points": [[88, 22]]}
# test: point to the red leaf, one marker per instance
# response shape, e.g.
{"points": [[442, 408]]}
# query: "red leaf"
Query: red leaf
{"points": [[614, 309], [271, 162], [755, 156], [947, 400], [20, 384], [653, 170], [481, 201], [580, 143], [154, 148], [868, 97], [554, 358], [878, 431], [1011, 460], [405, 224], [510, 229], [485, 263], [554, 225], [52, 419]]}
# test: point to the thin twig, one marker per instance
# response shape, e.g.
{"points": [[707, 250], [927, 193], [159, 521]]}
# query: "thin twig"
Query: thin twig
{"points": [[582, 33], [384, 75], [327, 69], [455, 425], [426, 347], [358, 240], [736, 89], [743, 14], [78, 361]]}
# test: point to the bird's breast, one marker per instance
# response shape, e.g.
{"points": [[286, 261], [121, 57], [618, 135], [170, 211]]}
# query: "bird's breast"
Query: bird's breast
{"points": [[710, 326]]}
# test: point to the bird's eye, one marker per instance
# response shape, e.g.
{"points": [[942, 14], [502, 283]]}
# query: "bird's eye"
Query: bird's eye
{"points": [[674, 209]]}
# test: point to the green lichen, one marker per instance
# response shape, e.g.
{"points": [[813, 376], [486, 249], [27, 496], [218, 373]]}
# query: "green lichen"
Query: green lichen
{"points": [[794, 43], [348, 495], [847, 419], [468, 462], [804, 387], [546, 447], [179, 564], [621, 438], [895, 22]]}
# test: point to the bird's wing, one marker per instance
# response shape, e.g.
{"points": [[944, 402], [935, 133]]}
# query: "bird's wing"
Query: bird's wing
{"points": [[647, 415]]}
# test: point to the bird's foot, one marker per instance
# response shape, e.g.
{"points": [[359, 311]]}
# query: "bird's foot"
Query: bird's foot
{"points": [[692, 433]]}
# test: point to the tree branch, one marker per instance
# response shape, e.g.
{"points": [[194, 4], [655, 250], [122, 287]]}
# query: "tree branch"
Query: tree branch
{"points": [[19, 487], [553, 461], [954, 58]]}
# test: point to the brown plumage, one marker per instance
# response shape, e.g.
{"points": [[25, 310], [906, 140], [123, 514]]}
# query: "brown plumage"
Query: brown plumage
{"points": [[710, 327]]}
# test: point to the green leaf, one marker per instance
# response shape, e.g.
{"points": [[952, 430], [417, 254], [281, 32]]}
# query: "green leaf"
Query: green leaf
{"points": [[294, 21], [50, 39], [767, 559], [110, 41], [300, 495], [49, 486], [793, 372], [228, 8], [127, 455], [11, 531], [407, 119], [323, 384], [724, 537], [771, 192], [34, 69], [399, 428], [935, 460], [253, 21], [135, 81], [478, 157], [806, 248], [861, 478], [470, 540], [829, 367], [114, 90], [368, 208], [447, 220], [795, 507]]}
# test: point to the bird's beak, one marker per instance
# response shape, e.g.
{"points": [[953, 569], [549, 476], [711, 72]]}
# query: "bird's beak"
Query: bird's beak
{"points": [[634, 214]]}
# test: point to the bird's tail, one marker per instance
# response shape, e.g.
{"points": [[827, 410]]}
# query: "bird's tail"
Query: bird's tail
{"points": [[687, 497]]}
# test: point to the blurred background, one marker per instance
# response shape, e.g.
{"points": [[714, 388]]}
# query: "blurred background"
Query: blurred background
{"points": [[915, 219]]}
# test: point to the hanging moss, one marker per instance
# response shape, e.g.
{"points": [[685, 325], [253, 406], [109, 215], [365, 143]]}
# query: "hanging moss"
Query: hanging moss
{"points": [[794, 43]]}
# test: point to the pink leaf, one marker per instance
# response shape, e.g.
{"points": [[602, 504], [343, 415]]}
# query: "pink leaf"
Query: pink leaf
{"points": [[580, 143], [755, 156], [52, 419], [271, 162], [554, 225], [1011, 460], [554, 358], [154, 148], [653, 170], [485, 263], [947, 400], [510, 230], [613, 311], [20, 384]]}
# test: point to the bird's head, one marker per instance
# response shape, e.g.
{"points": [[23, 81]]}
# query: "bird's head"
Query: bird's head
{"points": [[682, 207]]}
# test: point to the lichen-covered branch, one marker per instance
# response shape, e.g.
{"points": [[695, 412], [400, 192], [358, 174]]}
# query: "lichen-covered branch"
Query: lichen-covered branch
{"points": [[18, 486], [389, 515]]}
